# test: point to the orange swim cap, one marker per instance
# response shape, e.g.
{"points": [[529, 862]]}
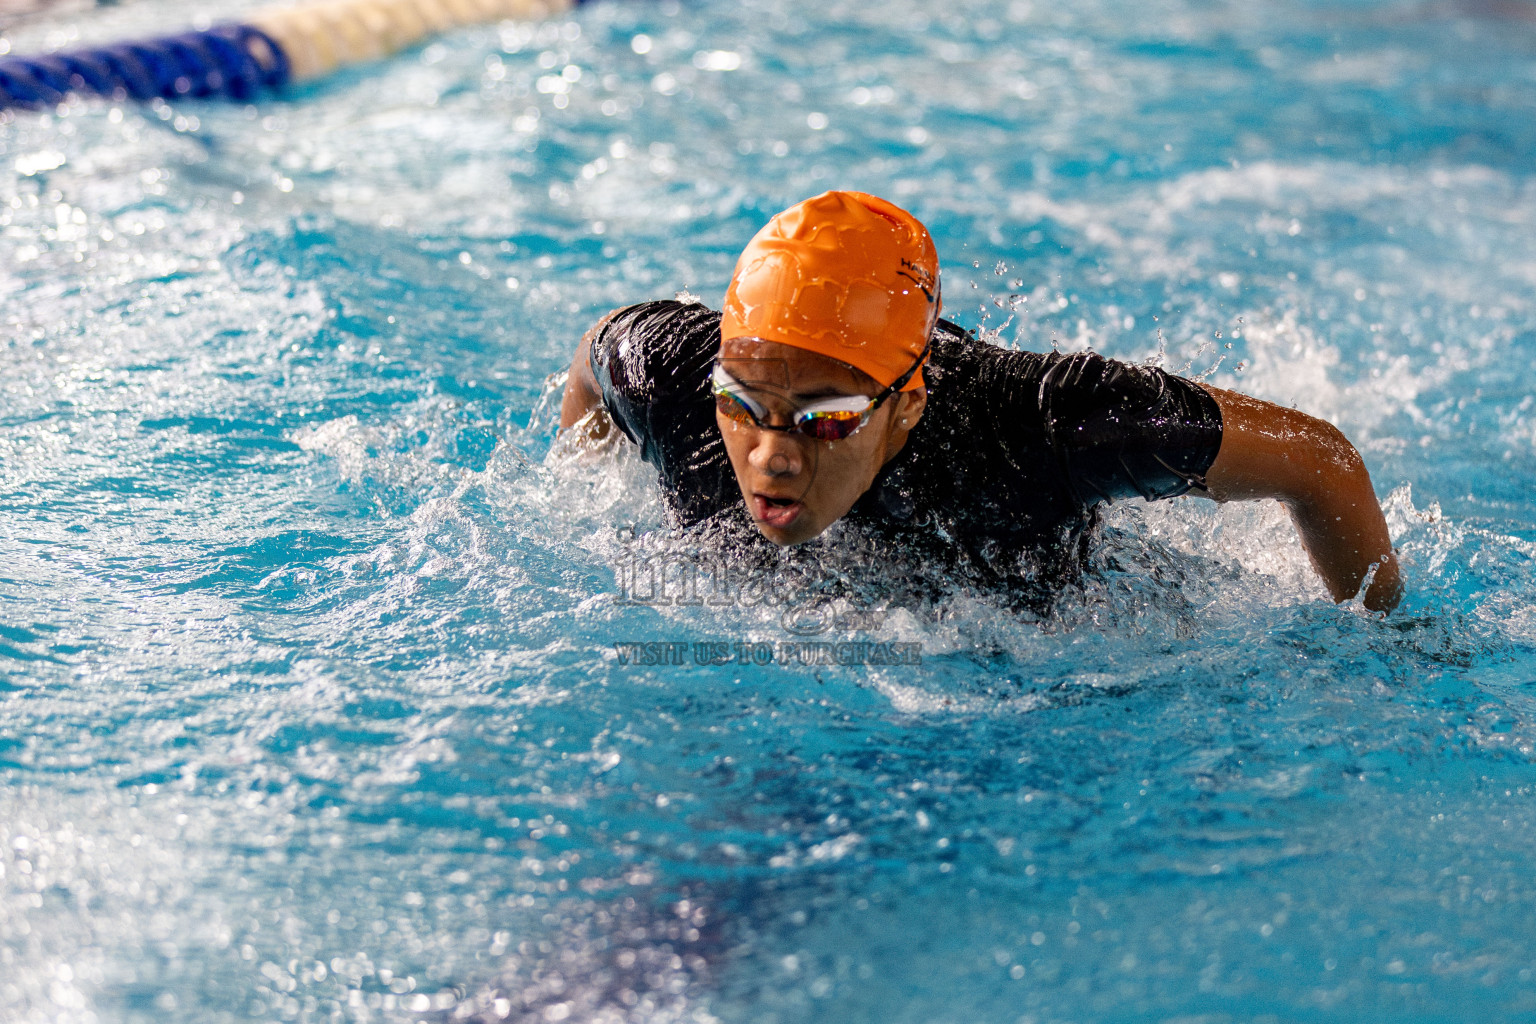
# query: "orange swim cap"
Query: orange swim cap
{"points": [[846, 275]]}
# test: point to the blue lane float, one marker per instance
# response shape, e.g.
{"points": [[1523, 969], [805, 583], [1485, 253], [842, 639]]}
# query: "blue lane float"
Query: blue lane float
{"points": [[242, 60], [232, 61]]}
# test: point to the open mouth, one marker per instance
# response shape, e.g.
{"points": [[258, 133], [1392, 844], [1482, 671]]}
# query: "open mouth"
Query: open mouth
{"points": [[775, 511]]}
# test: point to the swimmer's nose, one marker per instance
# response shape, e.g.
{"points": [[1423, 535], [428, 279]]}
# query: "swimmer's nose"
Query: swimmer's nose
{"points": [[775, 454]]}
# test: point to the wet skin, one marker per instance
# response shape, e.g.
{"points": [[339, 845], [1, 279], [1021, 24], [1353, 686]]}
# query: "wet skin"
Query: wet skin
{"points": [[794, 486]]}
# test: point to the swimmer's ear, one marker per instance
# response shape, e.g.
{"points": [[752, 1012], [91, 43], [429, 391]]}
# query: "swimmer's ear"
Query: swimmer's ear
{"points": [[910, 406], [906, 409]]}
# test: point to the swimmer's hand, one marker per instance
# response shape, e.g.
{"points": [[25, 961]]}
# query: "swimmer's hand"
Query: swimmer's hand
{"points": [[585, 439], [1269, 451]]}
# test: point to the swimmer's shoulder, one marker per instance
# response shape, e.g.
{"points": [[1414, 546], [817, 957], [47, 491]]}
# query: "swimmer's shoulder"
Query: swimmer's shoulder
{"points": [[657, 312], [965, 363], [656, 348], [981, 363]]}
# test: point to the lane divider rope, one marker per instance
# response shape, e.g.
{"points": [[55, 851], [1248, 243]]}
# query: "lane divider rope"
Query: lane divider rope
{"points": [[241, 60]]}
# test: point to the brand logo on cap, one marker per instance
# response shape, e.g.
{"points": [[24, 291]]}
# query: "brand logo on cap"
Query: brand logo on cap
{"points": [[918, 275]]}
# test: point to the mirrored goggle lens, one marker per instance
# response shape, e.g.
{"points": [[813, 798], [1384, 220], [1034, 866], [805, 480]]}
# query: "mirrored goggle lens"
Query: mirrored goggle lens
{"points": [[828, 426], [736, 407]]}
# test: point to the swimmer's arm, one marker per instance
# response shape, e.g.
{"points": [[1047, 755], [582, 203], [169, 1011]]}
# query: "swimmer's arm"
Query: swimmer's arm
{"points": [[1268, 451], [582, 404]]}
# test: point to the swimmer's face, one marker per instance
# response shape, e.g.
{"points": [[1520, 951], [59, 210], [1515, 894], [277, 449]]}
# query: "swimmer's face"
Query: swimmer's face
{"points": [[795, 486]]}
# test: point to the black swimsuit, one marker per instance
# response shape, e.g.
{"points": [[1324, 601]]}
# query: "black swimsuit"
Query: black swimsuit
{"points": [[1000, 477]]}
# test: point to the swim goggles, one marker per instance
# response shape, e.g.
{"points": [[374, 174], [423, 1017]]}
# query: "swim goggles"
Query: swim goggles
{"points": [[825, 419]]}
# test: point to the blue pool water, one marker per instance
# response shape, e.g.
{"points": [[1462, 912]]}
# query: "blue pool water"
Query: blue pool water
{"points": [[311, 707]]}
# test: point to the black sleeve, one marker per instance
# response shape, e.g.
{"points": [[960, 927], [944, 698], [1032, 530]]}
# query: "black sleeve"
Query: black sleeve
{"points": [[1123, 430], [651, 363]]}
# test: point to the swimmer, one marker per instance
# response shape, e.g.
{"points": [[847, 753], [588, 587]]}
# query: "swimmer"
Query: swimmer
{"points": [[829, 390]]}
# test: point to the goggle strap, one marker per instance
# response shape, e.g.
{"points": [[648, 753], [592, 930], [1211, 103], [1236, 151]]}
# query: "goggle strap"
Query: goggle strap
{"points": [[901, 382]]}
